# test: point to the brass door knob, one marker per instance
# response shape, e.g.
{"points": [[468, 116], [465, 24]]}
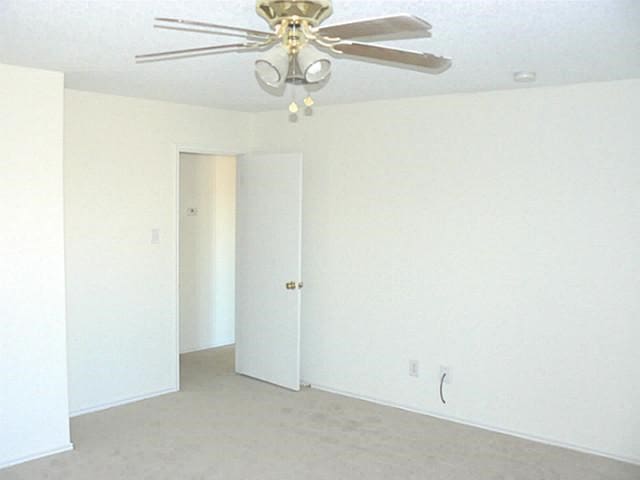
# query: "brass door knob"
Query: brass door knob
{"points": [[291, 285]]}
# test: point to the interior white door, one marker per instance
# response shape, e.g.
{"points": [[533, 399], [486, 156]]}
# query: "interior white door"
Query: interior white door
{"points": [[268, 257]]}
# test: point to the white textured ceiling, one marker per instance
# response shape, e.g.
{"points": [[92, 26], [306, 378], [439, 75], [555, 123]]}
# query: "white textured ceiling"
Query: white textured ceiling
{"points": [[94, 41]]}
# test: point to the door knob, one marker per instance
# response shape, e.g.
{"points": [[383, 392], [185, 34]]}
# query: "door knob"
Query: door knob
{"points": [[291, 285]]}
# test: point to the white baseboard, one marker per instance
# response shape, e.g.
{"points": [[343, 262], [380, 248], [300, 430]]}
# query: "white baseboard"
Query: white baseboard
{"points": [[471, 423], [206, 347], [124, 401], [35, 456]]}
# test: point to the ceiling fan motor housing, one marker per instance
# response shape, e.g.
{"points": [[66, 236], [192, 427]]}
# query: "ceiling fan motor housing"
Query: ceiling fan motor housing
{"points": [[313, 12]]}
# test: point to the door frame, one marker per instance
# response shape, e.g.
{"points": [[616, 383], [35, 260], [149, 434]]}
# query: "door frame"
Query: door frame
{"points": [[179, 150]]}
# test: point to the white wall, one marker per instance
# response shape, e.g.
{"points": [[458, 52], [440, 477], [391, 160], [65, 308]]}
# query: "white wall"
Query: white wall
{"points": [[34, 417], [497, 233], [207, 251], [120, 183]]}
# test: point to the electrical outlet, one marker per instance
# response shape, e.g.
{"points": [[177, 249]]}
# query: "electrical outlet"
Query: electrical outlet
{"points": [[414, 368], [445, 369]]}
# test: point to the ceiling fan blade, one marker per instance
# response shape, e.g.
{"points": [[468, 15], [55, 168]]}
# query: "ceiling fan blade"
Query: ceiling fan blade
{"points": [[253, 33], [208, 32], [424, 61], [396, 26], [189, 52]]}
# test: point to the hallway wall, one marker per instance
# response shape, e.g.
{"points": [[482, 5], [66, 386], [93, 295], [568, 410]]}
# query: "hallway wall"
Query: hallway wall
{"points": [[207, 251]]}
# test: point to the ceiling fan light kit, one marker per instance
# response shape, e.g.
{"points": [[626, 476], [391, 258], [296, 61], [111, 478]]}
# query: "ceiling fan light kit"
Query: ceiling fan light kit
{"points": [[297, 48]]}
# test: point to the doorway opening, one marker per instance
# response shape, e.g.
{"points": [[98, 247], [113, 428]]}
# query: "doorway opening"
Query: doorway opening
{"points": [[206, 255], [239, 274]]}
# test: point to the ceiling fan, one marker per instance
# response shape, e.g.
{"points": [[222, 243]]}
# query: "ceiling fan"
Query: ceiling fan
{"points": [[295, 48]]}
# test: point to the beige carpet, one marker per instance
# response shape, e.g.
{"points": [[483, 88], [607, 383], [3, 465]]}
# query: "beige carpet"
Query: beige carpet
{"points": [[223, 426]]}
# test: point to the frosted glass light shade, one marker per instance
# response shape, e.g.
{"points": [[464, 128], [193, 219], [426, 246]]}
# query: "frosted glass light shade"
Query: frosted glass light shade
{"points": [[273, 67], [314, 65]]}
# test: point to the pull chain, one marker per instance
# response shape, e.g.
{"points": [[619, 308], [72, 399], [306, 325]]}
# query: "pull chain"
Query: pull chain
{"points": [[293, 106], [308, 101]]}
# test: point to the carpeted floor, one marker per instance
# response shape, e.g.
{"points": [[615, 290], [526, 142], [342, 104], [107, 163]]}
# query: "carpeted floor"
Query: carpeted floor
{"points": [[224, 426]]}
